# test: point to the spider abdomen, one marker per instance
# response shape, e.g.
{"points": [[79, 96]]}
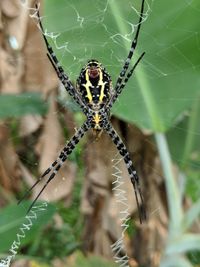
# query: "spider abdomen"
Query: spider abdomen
{"points": [[94, 85]]}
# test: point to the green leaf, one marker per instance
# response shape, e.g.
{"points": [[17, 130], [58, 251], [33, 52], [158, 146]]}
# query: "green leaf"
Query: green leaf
{"points": [[176, 261], [14, 216], [184, 137], [21, 104], [185, 243], [165, 83]]}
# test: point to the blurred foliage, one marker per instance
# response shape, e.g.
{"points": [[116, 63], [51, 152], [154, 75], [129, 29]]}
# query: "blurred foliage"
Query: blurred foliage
{"points": [[71, 215], [21, 104], [78, 259], [12, 219], [59, 243], [184, 146], [91, 261]]}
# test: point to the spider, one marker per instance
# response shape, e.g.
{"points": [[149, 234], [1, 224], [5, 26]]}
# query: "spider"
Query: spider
{"points": [[95, 96]]}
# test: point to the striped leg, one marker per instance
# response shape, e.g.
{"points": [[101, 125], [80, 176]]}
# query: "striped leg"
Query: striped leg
{"points": [[57, 164], [122, 85], [59, 70], [132, 49], [131, 170]]}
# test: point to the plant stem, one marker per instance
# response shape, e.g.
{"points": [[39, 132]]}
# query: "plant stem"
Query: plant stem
{"points": [[192, 129], [173, 194]]}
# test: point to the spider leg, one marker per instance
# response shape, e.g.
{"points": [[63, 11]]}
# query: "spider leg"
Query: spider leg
{"points": [[131, 170], [123, 83], [57, 164], [132, 49], [59, 70]]}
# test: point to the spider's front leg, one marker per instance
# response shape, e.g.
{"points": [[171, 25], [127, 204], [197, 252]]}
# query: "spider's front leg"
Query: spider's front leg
{"points": [[121, 86], [132, 49], [57, 164], [124, 76], [131, 170], [63, 77]]}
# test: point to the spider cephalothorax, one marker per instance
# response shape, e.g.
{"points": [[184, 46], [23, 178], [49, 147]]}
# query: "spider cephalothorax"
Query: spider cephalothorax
{"points": [[95, 96]]}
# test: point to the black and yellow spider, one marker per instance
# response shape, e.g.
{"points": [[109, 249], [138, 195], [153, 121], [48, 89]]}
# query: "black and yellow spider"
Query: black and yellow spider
{"points": [[95, 95]]}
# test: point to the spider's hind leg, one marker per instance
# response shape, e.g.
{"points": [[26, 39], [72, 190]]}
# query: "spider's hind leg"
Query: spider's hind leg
{"points": [[57, 164], [131, 170]]}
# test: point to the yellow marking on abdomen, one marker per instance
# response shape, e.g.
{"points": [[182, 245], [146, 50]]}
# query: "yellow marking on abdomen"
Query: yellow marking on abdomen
{"points": [[87, 87], [102, 84]]}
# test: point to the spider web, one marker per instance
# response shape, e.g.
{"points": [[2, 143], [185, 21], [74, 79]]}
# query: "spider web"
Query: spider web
{"points": [[165, 60], [71, 21], [170, 65]]}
